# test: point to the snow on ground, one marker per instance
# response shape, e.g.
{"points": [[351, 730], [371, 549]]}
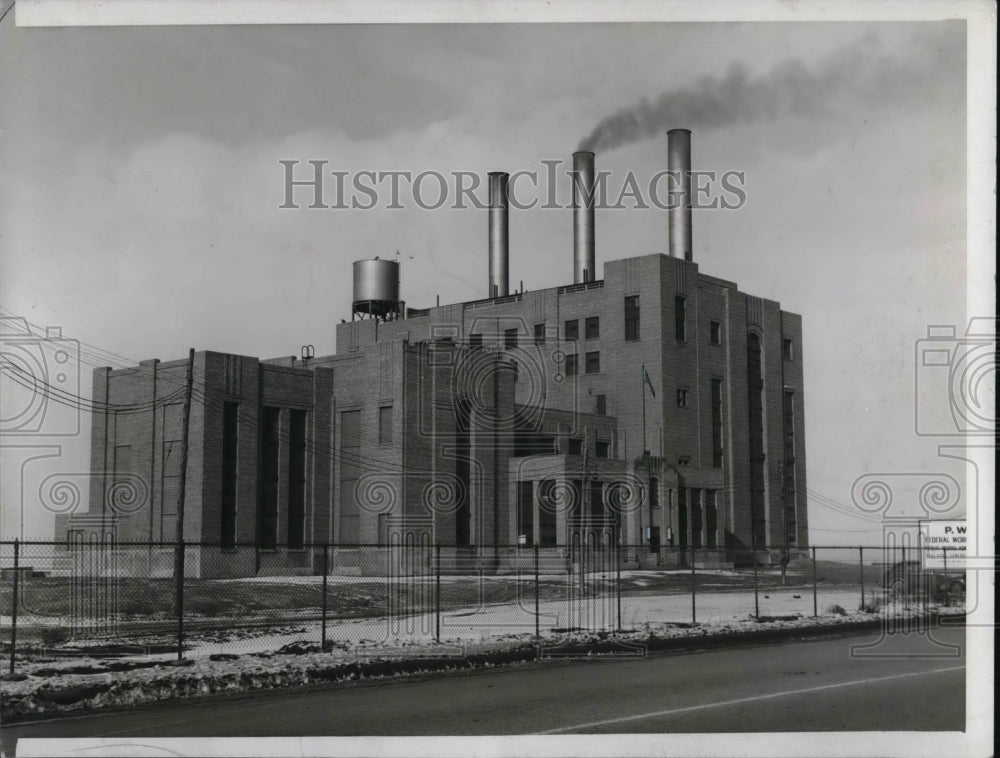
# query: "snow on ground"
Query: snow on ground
{"points": [[475, 624], [288, 653], [647, 576]]}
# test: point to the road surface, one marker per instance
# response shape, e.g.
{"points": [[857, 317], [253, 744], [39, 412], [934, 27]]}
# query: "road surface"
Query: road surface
{"points": [[796, 686]]}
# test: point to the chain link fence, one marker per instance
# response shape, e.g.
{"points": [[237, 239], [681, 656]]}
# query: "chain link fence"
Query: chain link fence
{"points": [[102, 597]]}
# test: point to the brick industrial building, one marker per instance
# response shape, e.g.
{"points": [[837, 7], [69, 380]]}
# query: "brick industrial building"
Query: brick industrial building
{"points": [[657, 407]]}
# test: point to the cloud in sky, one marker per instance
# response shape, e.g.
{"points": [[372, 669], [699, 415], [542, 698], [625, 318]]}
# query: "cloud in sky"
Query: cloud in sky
{"points": [[144, 162], [852, 79]]}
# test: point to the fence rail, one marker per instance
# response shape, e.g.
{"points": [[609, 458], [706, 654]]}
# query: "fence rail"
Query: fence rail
{"points": [[200, 598]]}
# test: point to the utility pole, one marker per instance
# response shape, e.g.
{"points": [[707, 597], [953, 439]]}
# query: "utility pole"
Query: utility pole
{"points": [[182, 478], [645, 452], [496, 458], [185, 429], [646, 455]]}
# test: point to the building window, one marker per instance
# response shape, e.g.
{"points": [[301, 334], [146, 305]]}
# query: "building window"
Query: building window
{"points": [[297, 480], [525, 512], [575, 446], [602, 449], [715, 332], [539, 334], [548, 505], [788, 421], [597, 501], [592, 327], [787, 349], [755, 418], [350, 472], [631, 318], [267, 521], [602, 405], [696, 517], [123, 459], [230, 440], [385, 425], [572, 330], [680, 319], [510, 338], [570, 365], [463, 508], [171, 481], [654, 493], [682, 518], [593, 363], [683, 460], [123, 472], [792, 524], [475, 341], [682, 397], [717, 423]]}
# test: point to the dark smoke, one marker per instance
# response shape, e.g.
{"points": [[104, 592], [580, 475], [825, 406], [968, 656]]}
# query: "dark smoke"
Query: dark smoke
{"points": [[860, 75]]}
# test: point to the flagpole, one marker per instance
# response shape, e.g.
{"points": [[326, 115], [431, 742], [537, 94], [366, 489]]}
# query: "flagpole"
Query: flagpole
{"points": [[642, 384]]}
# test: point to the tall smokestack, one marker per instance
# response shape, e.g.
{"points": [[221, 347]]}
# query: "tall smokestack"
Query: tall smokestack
{"points": [[584, 266], [679, 206], [499, 255]]}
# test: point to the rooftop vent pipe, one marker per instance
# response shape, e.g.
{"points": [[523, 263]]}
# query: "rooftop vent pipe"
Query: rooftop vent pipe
{"points": [[679, 205], [584, 266], [499, 252]]}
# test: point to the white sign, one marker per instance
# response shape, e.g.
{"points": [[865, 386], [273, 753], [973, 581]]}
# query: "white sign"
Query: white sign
{"points": [[944, 545]]}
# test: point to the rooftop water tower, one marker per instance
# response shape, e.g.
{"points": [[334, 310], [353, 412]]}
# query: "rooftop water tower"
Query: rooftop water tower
{"points": [[376, 290]]}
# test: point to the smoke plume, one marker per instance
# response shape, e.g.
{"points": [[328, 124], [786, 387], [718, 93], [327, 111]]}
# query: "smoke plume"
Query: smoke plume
{"points": [[859, 75]]}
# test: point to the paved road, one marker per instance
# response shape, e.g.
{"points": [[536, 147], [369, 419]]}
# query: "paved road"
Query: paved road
{"points": [[796, 686]]}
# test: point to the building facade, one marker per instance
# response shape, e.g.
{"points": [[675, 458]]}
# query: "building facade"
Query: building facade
{"points": [[657, 407]]}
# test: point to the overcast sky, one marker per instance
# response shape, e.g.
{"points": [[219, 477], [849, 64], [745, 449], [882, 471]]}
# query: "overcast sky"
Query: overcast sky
{"points": [[142, 185]]}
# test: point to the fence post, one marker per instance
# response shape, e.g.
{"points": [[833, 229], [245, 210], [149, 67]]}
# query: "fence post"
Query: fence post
{"points": [[180, 599], [815, 604], [13, 613], [756, 595], [618, 582], [326, 570], [947, 593], [906, 578], [537, 619], [861, 567], [437, 593], [693, 617], [926, 581]]}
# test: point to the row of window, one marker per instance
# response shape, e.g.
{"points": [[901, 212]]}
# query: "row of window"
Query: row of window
{"points": [[591, 363], [602, 448], [571, 333], [592, 329]]}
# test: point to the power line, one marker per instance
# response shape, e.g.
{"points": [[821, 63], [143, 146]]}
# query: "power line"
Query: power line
{"points": [[332, 452], [97, 357]]}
